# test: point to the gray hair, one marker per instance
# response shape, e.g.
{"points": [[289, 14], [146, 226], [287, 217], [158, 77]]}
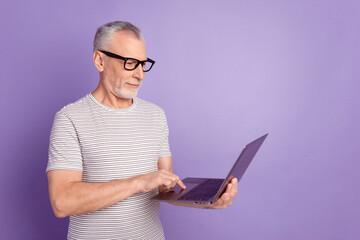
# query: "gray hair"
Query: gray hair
{"points": [[104, 32]]}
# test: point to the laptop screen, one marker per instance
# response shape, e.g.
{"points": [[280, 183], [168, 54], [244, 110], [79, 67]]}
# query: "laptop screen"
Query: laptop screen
{"points": [[241, 163], [245, 158]]}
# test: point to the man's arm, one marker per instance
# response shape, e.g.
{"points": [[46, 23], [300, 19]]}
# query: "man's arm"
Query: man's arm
{"points": [[69, 195]]}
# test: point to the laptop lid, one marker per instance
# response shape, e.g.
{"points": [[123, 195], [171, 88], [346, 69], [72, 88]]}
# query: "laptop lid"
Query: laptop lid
{"points": [[242, 163]]}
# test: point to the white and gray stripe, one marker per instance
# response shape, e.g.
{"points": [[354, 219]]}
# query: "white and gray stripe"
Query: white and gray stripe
{"points": [[106, 144]]}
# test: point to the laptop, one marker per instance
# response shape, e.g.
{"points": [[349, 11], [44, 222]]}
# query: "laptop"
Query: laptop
{"points": [[202, 192]]}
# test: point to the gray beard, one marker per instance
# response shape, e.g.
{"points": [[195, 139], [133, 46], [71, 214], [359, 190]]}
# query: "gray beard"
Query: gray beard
{"points": [[126, 94]]}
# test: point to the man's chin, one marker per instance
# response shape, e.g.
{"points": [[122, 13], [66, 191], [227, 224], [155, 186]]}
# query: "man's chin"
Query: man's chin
{"points": [[126, 94]]}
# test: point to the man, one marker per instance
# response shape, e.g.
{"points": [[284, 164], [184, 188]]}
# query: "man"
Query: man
{"points": [[109, 152]]}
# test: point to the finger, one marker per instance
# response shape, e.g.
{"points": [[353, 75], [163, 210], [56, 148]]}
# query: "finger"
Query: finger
{"points": [[228, 188], [167, 183], [234, 187], [167, 177], [225, 197], [231, 192], [224, 201], [178, 182], [234, 180], [175, 179], [171, 182], [181, 184]]}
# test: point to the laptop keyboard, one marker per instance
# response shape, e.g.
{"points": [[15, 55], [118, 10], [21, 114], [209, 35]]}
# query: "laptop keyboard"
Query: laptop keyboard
{"points": [[204, 191]]}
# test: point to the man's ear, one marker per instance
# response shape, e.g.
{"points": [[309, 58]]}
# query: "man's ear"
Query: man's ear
{"points": [[98, 61]]}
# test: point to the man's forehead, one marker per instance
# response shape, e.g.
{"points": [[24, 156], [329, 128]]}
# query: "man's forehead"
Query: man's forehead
{"points": [[126, 42]]}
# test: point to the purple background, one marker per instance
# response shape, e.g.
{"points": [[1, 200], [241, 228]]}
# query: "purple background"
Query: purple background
{"points": [[226, 73]]}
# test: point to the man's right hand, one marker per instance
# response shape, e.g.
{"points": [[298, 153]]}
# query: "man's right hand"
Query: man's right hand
{"points": [[160, 179]]}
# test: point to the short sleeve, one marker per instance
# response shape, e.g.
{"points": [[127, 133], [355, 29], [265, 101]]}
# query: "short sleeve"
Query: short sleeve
{"points": [[64, 148], [164, 148]]}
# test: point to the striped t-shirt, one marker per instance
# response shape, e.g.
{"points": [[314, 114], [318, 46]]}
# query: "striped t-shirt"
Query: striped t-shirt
{"points": [[105, 144]]}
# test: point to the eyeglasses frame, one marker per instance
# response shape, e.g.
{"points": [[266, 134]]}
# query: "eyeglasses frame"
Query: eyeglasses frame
{"points": [[125, 59]]}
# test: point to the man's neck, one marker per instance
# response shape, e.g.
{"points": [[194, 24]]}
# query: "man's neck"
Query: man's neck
{"points": [[110, 100]]}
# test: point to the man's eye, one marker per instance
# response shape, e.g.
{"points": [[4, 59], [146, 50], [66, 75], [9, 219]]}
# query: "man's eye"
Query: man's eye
{"points": [[131, 62]]}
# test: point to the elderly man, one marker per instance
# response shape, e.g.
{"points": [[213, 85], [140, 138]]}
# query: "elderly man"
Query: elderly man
{"points": [[109, 151]]}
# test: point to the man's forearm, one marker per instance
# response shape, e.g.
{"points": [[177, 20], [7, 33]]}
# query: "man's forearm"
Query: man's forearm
{"points": [[70, 196], [82, 197]]}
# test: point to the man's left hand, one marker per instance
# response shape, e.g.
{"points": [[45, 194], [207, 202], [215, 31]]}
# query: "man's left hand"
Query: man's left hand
{"points": [[227, 197]]}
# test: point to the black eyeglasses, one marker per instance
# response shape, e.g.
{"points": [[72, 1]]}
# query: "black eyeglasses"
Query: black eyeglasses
{"points": [[131, 63]]}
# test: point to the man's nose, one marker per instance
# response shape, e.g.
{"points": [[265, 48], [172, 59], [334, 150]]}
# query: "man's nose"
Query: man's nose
{"points": [[138, 72]]}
